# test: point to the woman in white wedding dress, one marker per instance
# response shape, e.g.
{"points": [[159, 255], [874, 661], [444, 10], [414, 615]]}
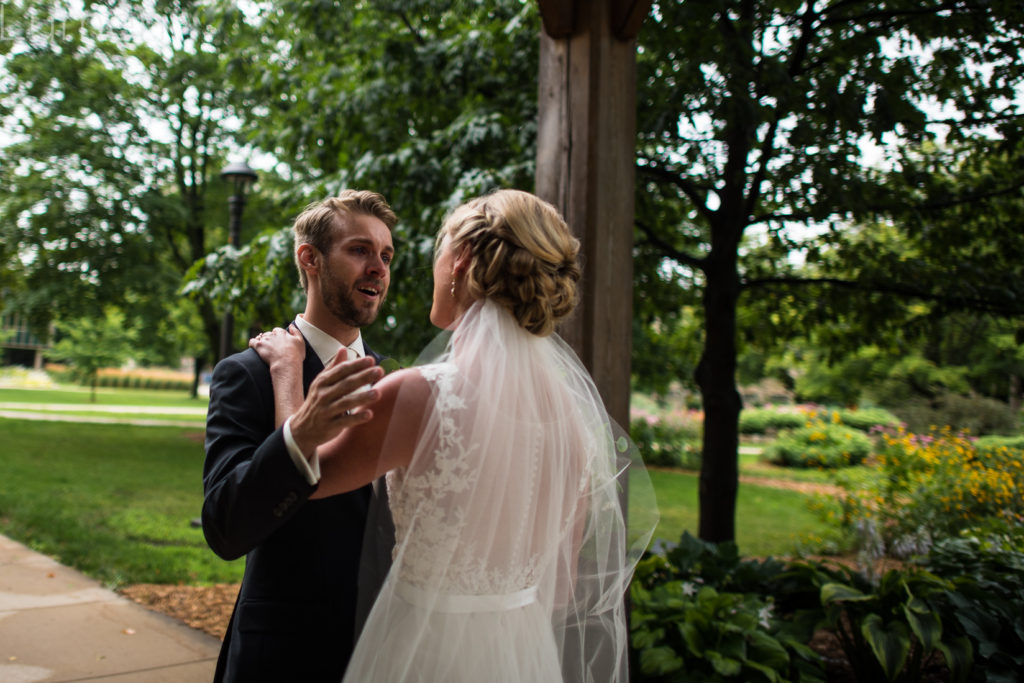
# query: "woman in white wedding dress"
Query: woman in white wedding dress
{"points": [[505, 476]]}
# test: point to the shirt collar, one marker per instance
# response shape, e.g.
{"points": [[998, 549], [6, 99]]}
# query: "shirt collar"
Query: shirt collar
{"points": [[324, 345]]}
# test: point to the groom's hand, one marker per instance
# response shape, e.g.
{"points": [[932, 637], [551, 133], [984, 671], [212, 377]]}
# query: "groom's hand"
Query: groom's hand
{"points": [[337, 399]]}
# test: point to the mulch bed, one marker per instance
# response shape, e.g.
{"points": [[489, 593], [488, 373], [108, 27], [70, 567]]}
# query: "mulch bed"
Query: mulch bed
{"points": [[206, 608]]}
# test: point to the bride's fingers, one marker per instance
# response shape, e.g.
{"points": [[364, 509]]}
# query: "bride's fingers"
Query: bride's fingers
{"points": [[253, 341]]}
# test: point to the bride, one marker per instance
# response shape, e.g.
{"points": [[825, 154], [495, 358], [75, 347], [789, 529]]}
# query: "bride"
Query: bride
{"points": [[512, 554]]}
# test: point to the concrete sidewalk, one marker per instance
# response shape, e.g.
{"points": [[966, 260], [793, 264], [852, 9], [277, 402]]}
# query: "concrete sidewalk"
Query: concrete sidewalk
{"points": [[58, 625]]}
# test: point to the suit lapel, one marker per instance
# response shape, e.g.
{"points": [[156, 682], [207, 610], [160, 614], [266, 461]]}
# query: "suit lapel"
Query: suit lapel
{"points": [[311, 367]]}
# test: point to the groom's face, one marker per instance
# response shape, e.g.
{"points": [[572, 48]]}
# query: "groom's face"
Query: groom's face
{"points": [[356, 269]]}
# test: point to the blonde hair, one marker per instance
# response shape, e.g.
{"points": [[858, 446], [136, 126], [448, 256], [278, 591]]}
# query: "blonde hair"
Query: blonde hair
{"points": [[522, 256], [314, 226]]}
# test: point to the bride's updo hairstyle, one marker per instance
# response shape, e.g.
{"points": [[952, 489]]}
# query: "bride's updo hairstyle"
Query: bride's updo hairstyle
{"points": [[522, 256]]}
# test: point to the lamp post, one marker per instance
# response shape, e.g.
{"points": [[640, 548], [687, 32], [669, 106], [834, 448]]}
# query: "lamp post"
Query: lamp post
{"points": [[238, 173]]}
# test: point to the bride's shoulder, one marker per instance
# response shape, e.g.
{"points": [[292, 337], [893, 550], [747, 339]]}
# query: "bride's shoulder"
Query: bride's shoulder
{"points": [[415, 380], [435, 372]]}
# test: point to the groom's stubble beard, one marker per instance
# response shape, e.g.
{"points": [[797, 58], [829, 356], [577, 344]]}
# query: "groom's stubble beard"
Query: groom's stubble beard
{"points": [[340, 300]]}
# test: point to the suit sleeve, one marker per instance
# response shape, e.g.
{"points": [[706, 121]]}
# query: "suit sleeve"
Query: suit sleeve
{"points": [[251, 485]]}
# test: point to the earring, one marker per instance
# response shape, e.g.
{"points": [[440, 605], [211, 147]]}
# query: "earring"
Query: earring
{"points": [[453, 287]]}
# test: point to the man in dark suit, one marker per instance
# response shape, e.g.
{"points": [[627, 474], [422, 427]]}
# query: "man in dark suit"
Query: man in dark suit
{"points": [[294, 619]]}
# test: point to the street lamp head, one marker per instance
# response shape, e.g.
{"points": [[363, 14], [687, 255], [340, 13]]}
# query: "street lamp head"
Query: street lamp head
{"points": [[239, 173]]}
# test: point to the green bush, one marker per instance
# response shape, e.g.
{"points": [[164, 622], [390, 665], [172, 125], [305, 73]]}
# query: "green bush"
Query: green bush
{"points": [[701, 613], [891, 631], [992, 441], [769, 420], [820, 444], [977, 415], [130, 381], [866, 419], [987, 572], [664, 444]]}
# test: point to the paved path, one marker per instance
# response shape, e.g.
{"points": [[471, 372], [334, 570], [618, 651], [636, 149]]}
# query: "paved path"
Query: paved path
{"points": [[65, 412], [59, 625]]}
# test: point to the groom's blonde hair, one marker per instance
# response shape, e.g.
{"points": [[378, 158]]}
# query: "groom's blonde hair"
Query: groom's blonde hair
{"points": [[315, 225], [522, 256]]}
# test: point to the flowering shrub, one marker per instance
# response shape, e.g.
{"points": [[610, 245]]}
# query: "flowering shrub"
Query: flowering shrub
{"points": [[768, 420], [930, 486], [666, 442], [819, 444]]}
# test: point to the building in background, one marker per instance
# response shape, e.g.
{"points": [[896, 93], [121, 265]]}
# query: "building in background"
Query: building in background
{"points": [[20, 346]]}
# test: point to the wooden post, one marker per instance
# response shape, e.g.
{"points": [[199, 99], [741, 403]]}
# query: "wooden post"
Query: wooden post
{"points": [[586, 146]]}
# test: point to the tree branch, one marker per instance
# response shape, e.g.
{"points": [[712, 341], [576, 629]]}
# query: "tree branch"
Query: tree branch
{"points": [[899, 289], [692, 190], [668, 250], [412, 29]]}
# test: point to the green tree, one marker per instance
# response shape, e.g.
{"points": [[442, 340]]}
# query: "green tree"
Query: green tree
{"points": [[67, 211], [119, 122], [90, 344], [427, 102], [751, 120]]}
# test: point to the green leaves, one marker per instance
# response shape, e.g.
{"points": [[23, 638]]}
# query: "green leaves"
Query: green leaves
{"points": [[838, 592], [890, 643], [428, 103], [925, 624], [703, 614], [892, 629]]}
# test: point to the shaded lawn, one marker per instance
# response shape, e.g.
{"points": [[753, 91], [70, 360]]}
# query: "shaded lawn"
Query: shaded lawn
{"points": [[116, 502], [769, 521], [113, 501]]}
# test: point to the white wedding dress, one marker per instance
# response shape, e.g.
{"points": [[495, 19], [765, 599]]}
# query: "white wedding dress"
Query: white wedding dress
{"points": [[512, 556]]}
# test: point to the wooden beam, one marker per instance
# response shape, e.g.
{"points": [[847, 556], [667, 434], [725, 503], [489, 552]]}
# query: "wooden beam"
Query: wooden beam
{"points": [[557, 17], [627, 16], [586, 142]]}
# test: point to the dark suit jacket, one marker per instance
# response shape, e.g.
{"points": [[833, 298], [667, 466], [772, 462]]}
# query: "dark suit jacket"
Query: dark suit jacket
{"points": [[295, 613]]}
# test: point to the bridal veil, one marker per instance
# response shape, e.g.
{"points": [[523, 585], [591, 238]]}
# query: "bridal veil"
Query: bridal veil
{"points": [[513, 548]]}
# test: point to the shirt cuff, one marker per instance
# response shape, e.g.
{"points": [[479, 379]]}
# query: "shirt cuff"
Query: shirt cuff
{"points": [[308, 467]]}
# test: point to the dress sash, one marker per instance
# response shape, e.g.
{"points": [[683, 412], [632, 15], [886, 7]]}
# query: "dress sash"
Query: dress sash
{"points": [[465, 604]]}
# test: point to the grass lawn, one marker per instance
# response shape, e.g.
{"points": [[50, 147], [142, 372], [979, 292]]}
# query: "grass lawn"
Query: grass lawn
{"points": [[769, 521], [114, 501], [127, 403], [104, 397]]}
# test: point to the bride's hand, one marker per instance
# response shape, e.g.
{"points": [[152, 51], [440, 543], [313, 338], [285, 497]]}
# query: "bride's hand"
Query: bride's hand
{"points": [[280, 347]]}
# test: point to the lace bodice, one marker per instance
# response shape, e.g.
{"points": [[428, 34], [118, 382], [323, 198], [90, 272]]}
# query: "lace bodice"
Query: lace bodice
{"points": [[431, 505]]}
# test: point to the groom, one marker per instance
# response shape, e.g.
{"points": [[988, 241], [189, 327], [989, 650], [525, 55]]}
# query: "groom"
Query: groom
{"points": [[294, 619]]}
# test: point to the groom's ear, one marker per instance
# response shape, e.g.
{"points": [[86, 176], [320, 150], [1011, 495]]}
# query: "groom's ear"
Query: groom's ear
{"points": [[308, 257]]}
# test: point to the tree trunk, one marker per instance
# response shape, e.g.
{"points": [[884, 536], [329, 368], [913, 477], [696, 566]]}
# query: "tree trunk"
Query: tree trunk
{"points": [[197, 371], [716, 377], [1013, 397], [212, 328]]}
